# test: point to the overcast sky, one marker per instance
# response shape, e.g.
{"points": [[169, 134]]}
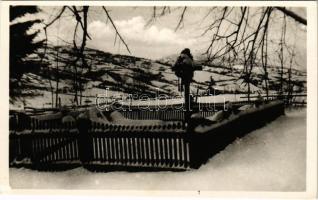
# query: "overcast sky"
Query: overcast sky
{"points": [[159, 39]]}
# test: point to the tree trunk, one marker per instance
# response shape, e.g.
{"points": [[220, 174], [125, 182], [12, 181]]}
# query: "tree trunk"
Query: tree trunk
{"points": [[57, 80], [52, 93], [75, 86], [187, 101], [248, 91]]}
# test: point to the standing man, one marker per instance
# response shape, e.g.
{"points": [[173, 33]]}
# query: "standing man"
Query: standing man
{"points": [[184, 69]]}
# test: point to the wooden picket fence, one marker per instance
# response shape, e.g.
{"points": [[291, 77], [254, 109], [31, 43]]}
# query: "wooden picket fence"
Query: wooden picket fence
{"points": [[153, 146], [141, 148], [168, 115], [45, 143], [174, 113]]}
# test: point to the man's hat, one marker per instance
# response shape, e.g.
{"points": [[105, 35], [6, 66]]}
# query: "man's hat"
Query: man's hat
{"points": [[187, 52]]}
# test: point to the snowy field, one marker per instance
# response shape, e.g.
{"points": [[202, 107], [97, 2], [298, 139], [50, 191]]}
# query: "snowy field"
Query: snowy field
{"points": [[272, 158]]}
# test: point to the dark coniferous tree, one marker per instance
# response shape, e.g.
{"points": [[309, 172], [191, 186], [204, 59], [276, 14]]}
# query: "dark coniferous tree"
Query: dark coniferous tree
{"points": [[22, 45], [22, 42]]}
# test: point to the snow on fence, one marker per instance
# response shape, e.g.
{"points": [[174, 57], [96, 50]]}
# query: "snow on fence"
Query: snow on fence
{"points": [[46, 143], [173, 112], [166, 115], [209, 140]]}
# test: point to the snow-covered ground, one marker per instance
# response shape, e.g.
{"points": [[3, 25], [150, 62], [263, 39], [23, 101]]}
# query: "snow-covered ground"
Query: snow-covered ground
{"points": [[272, 158]]}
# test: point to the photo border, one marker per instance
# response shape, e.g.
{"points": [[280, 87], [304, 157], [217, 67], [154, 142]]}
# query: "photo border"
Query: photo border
{"points": [[311, 145]]}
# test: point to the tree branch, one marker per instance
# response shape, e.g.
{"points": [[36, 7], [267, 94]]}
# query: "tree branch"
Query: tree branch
{"points": [[114, 26], [293, 15], [181, 18]]}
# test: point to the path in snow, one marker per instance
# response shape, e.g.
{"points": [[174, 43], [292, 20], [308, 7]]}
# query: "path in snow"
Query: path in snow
{"points": [[269, 159]]}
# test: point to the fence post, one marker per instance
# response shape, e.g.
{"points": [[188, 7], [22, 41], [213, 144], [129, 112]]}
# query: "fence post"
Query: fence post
{"points": [[197, 149], [85, 139]]}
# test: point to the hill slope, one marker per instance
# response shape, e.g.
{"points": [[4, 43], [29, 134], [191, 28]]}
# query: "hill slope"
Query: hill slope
{"points": [[124, 75]]}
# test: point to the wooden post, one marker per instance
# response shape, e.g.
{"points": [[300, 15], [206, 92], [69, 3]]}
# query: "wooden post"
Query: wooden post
{"points": [[85, 140], [196, 97], [187, 101]]}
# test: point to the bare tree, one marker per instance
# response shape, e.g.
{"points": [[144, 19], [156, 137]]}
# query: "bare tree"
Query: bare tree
{"points": [[79, 63], [281, 54], [264, 52], [57, 79], [241, 41], [233, 36]]}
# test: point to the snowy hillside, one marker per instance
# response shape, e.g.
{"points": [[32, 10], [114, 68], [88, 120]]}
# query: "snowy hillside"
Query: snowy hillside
{"points": [[124, 75]]}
